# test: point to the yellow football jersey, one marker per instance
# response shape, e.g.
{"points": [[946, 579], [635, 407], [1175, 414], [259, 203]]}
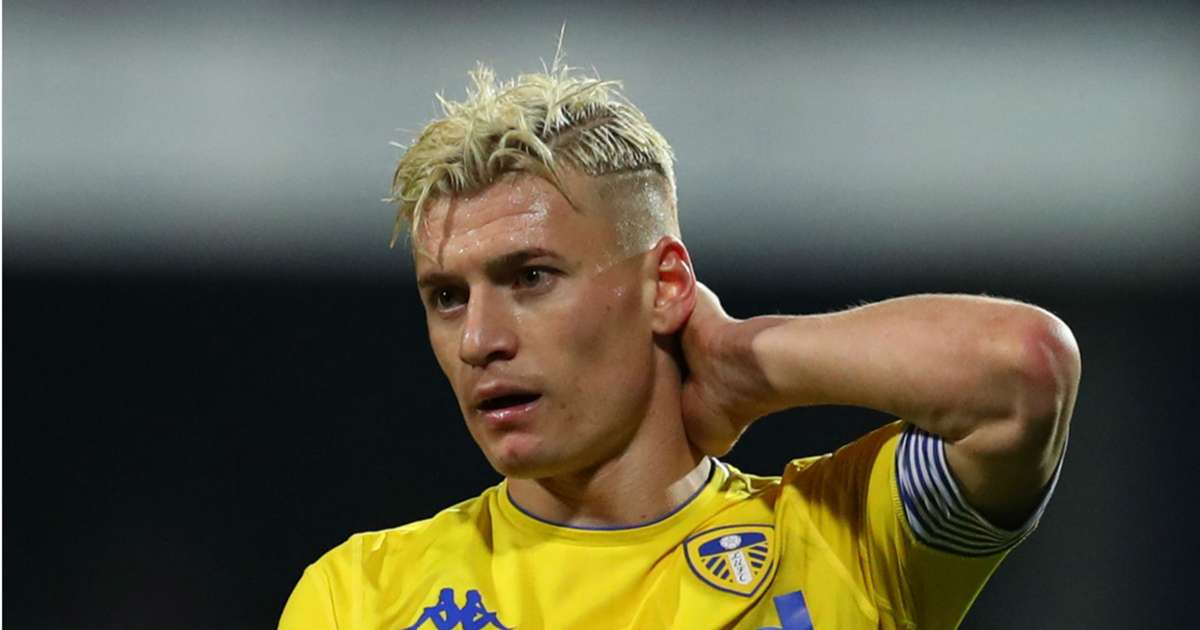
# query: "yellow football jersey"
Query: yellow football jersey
{"points": [[868, 537]]}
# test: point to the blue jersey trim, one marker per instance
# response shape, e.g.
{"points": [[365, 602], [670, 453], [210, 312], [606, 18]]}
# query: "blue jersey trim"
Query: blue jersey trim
{"points": [[934, 506], [616, 528]]}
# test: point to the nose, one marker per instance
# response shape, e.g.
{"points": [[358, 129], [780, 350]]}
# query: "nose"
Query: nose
{"points": [[487, 333]]}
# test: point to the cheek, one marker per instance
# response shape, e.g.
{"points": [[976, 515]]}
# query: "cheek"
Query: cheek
{"points": [[445, 350], [608, 330]]}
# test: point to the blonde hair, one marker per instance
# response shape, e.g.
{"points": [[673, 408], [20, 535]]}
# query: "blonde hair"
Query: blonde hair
{"points": [[534, 123]]}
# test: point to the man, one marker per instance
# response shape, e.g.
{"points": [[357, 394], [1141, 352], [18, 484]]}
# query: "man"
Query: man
{"points": [[602, 381]]}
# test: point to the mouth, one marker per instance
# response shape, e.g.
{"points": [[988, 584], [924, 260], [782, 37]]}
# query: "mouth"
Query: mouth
{"points": [[508, 401]]}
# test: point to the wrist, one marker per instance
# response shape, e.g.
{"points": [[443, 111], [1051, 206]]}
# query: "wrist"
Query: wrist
{"points": [[749, 352], [782, 348]]}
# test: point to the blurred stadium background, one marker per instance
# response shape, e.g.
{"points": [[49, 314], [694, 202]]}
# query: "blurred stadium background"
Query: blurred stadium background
{"points": [[217, 370]]}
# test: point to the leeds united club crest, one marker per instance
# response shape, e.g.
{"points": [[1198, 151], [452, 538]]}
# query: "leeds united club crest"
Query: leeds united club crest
{"points": [[736, 558]]}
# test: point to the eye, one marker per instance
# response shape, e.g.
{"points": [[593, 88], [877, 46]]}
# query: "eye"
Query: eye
{"points": [[446, 299], [533, 278]]}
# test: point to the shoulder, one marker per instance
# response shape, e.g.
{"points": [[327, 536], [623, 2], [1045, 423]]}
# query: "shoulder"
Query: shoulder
{"points": [[851, 469], [406, 542], [330, 592], [841, 477], [737, 484]]}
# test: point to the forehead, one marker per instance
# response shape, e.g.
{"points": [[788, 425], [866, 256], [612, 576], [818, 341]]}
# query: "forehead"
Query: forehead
{"points": [[518, 211]]}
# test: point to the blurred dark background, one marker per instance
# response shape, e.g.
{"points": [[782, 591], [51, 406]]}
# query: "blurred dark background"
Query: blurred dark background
{"points": [[216, 369]]}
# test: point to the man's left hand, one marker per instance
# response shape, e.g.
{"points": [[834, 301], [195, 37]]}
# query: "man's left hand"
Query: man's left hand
{"points": [[725, 389]]}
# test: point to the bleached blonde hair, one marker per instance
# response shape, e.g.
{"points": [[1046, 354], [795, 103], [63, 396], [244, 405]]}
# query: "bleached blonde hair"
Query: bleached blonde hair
{"points": [[537, 123]]}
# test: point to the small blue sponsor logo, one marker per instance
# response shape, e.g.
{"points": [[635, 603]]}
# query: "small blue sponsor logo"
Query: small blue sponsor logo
{"points": [[446, 614], [793, 613]]}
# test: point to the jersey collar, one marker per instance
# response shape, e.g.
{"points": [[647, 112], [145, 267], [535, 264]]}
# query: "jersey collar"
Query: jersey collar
{"points": [[683, 517]]}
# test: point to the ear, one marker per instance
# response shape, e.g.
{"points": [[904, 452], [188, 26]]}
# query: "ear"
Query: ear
{"points": [[675, 286]]}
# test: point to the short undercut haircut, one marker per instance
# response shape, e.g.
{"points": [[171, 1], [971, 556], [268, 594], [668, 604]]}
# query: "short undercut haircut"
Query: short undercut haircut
{"points": [[540, 124]]}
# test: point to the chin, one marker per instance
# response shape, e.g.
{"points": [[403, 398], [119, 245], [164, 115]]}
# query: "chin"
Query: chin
{"points": [[524, 468], [518, 459]]}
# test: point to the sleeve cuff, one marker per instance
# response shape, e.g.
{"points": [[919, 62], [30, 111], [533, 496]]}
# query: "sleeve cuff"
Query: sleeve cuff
{"points": [[935, 508]]}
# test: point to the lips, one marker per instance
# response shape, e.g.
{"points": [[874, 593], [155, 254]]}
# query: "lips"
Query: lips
{"points": [[508, 412], [507, 401], [504, 401]]}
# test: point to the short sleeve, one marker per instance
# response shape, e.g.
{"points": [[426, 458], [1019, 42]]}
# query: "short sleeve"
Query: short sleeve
{"points": [[854, 502]]}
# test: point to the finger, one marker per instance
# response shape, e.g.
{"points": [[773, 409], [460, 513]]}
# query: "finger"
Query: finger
{"points": [[702, 290]]}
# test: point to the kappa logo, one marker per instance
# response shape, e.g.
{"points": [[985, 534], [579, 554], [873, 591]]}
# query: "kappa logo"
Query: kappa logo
{"points": [[736, 559], [447, 615]]}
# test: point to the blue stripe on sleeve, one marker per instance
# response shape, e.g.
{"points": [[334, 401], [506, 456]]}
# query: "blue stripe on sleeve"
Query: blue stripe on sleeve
{"points": [[935, 508]]}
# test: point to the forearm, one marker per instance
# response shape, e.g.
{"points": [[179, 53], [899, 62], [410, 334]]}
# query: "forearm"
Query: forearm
{"points": [[995, 379], [948, 363]]}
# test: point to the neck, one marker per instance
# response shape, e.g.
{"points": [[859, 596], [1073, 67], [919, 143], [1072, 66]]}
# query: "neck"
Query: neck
{"points": [[656, 472], [607, 498]]}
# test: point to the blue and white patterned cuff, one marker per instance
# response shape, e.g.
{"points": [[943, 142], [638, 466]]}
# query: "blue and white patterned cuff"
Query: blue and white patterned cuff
{"points": [[936, 510]]}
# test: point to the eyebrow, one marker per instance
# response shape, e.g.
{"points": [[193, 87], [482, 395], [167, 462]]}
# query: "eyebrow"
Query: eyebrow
{"points": [[494, 267]]}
